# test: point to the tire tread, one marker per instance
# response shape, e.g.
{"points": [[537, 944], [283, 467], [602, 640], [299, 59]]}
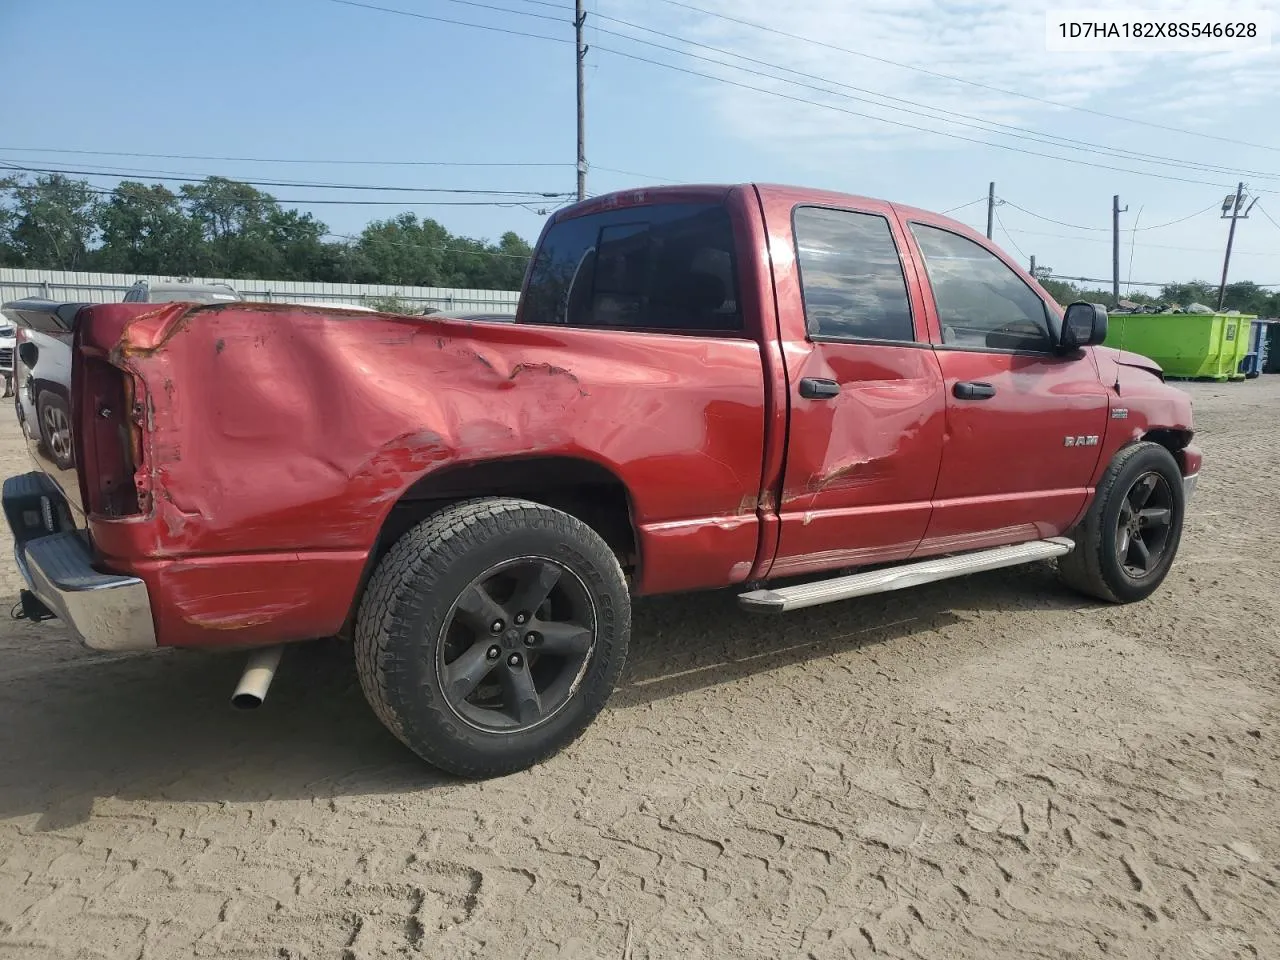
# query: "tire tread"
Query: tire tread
{"points": [[394, 598], [1083, 568]]}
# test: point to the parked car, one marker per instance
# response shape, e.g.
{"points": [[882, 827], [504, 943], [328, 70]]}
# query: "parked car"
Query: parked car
{"points": [[704, 387], [42, 386], [8, 343], [145, 291], [486, 317]]}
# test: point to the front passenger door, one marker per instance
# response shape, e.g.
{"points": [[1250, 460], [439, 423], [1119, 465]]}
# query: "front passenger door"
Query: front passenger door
{"points": [[1023, 423]]}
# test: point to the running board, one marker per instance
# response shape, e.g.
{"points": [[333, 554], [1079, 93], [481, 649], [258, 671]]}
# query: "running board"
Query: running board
{"points": [[783, 599]]}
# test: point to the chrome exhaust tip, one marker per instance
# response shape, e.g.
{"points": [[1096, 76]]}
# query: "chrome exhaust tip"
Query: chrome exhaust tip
{"points": [[259, 671]]}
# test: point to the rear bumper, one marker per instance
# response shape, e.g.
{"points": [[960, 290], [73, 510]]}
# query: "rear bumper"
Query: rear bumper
{"points": [[108, 611]]}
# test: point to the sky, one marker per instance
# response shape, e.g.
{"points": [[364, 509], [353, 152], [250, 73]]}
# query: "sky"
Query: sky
{"points": [[922, 102]]}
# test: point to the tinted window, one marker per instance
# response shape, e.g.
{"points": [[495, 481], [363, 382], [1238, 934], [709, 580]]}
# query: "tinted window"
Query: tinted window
{"points": [[666, 267], [981, 302], [851, 276]]}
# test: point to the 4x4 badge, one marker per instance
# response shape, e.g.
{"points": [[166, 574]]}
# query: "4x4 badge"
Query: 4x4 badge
{"points": [[1120, 413]]}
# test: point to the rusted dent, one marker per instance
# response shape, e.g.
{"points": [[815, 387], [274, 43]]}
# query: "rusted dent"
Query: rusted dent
{"points": [[550, 369], [241, 621]]}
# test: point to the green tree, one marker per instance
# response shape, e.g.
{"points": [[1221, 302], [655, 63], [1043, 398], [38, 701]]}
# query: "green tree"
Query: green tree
{"points": [[401, 250], [302, 253], [50, 223], [146, 230]]}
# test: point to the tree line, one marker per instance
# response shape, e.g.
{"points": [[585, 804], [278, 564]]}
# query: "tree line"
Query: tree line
{"points": [[1244, 295], [224, 228]]}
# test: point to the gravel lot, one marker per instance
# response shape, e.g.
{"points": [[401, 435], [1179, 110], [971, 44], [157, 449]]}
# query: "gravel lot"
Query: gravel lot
{"points": [[985, 768]]}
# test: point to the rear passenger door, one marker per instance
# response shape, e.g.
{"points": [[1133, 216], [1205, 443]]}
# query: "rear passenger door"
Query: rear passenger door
{"points": [[866, 406], [1023, 421]]}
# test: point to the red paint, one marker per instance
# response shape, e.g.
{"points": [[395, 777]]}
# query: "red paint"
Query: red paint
{"points": [[275, 441]]}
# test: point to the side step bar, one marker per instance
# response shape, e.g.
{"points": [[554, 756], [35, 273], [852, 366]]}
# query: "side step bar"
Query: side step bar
{"points": [[783, 599]]}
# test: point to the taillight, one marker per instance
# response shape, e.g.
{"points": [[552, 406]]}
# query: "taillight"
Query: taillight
{"points": [[111, 451]]}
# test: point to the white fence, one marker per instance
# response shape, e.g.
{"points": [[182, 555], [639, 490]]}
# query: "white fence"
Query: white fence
{"points": [[110, 287]]}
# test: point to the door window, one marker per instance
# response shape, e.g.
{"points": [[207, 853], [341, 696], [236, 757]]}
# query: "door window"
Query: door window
{"points": [[851, 277], [982, 304]]}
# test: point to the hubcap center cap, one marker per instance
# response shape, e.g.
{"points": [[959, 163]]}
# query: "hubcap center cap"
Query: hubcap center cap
{"points": [[511, 638]]}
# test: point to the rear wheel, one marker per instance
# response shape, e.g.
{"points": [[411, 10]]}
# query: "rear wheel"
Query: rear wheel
{"points": [[1131, 533], [492, 634], [55, 429]]}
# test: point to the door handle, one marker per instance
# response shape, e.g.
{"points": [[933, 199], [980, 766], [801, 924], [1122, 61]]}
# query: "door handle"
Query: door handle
{"points": [[973, 390], [814, 388]]}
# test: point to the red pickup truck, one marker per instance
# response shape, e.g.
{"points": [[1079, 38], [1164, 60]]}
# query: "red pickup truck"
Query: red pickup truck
{"points": [[804, 396]]}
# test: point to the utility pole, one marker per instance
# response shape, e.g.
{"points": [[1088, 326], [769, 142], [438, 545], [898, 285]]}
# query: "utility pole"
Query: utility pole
{"points": [[991, 206], [1115, 248], [1033, 265], [1231, 203], [579, 18]]}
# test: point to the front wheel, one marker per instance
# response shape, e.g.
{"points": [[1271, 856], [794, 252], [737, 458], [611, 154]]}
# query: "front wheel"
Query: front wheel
{"points": [[1131, 532], [492, 634]]}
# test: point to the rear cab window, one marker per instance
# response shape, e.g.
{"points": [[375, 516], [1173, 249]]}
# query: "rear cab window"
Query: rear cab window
{"points": [[663, 268]]}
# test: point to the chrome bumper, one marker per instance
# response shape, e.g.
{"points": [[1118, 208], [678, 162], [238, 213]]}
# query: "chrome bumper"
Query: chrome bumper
{"points": [[108, 611], [1189, 487]]}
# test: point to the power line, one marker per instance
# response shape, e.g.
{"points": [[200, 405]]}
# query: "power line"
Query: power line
{"points": [[896, 123], [1145, 246], [828, 106], [456, 23], [1076, 226], [425, 246], [308, 183], [1136, 283], [1170, 223], [315, 160], [963, 205], [971, 83], [1060, 223], [508, 204], [1262, 210], [983, 124], [1008, 234]]}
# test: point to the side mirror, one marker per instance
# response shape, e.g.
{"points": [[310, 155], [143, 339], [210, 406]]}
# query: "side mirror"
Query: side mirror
{"points": [[1083, 325]]}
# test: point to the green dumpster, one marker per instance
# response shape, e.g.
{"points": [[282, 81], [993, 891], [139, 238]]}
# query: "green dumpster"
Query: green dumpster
{"points": [[1188, 345], [1236, 343]]}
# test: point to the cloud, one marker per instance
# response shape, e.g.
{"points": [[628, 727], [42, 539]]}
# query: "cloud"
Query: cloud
{"points": [[1000, 44]]}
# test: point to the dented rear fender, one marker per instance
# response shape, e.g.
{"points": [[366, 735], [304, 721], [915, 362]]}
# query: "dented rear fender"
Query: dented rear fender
{"points": [[282, 428]]}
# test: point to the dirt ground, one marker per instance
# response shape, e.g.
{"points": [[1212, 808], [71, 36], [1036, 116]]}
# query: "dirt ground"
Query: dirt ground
{"points": [[985, 768]]}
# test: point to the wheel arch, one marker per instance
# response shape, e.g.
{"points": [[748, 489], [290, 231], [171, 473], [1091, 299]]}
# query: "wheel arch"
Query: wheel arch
{"points": [[580, 487]]}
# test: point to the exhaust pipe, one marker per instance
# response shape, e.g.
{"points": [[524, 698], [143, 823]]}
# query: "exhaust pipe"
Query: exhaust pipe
{"points": [[257, 677]]}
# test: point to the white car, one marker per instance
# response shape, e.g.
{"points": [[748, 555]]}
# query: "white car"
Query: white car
{"points": [[8, 343]]}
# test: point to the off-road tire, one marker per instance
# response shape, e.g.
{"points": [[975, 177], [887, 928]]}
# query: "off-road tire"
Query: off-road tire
{"points": [[1093, 567], [407, 604]]}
